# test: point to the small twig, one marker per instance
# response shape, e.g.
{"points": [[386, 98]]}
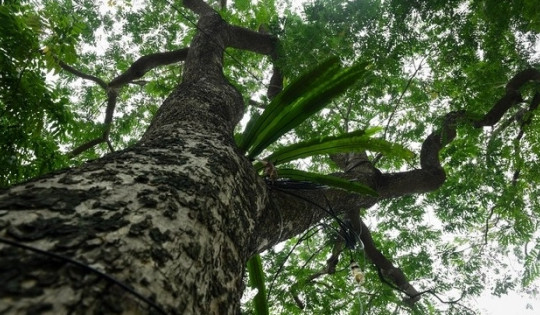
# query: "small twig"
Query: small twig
{"points": [[80, 74], [254, 103], [486, 229], [109, 144], [397, 103], [139, 82], [305, 236]]}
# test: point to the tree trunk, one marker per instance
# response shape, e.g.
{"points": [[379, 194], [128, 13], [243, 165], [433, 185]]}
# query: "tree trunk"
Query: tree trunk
{"points": [[171, 217]]}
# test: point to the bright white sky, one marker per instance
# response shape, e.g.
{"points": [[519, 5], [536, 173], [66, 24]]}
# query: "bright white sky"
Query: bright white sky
{"points": [[512, 304]]}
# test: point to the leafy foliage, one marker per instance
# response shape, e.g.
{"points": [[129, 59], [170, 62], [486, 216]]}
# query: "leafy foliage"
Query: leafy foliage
{"points": [[32, 115], [300, 100]]}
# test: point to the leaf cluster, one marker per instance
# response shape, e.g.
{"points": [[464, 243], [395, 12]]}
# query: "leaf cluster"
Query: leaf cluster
{"points": [[32, 114]]}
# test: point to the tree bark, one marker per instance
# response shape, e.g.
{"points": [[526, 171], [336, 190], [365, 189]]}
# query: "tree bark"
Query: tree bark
{"points": [[171, 221], [171, 217]]}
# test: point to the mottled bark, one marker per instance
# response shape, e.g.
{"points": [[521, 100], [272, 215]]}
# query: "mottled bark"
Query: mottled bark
{"points": [[172, 220], [172, 217]]}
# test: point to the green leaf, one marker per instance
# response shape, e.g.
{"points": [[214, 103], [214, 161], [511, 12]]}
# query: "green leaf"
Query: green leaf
{"points": [[256, 281], [356, 141], [327, 180], [327, 87], [532, 266], [292, 92], [242, 5]]}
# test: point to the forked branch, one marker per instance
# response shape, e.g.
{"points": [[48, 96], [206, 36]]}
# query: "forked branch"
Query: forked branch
{"points": [[138, 69], [431, 175]]}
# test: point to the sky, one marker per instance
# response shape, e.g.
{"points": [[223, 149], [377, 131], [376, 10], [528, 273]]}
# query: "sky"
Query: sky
{"points": [[511, 304]]}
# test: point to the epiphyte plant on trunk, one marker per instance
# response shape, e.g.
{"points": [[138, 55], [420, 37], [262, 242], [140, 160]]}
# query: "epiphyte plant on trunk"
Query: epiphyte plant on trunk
{"points": [[305, 96]]}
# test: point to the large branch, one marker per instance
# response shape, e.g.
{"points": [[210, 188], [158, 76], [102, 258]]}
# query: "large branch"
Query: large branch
{"points": [[146, 63], [385, 267], [239, 37], [242, 38], [276, 83], [245, 39], [307, 207], [296, 210], [198, 6], [431, 175], [260, 42]]}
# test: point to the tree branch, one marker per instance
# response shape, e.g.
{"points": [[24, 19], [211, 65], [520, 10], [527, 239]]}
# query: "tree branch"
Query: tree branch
{"points": [[242, 38], [431, 175], [252, 102], [245, 39], [357, 167], [80, 74], [138, 69], [305, 207], [146, 63], [198, 6], [535, 102], [260, 42], [276, 83], [400, 98], [386, 267], [112, 95], [88, 145]]}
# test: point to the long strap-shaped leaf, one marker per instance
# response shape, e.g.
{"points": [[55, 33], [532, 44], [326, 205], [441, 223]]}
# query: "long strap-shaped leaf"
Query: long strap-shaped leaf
{"points": [[291, 116], [309, 148], [350, 142], [327, 180], [290, 94], [256, 280]]}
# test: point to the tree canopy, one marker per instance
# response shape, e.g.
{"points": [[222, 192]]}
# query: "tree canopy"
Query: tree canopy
{"points": [[80, 79]]}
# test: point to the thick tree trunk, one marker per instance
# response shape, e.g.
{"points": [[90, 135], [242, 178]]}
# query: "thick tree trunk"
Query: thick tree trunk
{"points": [[172, 217], [171, 220]]}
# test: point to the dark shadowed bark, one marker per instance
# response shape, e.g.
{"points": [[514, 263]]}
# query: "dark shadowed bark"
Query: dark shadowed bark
{"points": [[176, 216]]}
